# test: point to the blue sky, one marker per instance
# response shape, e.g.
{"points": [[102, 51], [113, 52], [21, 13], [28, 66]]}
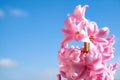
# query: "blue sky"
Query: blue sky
{"points": [[30, 34]]}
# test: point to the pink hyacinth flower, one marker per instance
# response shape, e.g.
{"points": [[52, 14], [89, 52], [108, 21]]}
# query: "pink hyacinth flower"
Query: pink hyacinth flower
{"points": [[79, 13], [91, 66], [107, 50], [96, 36], [76, 65], [88, 62], [108, 73], [72, 31], [68, 57]]}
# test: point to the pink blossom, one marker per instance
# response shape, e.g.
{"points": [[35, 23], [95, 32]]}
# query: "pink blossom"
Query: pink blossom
{"points": [[108, 73], [87, 62], [72, 31], [95, 35], [79, 12], [74, 64], [107, 50], [68, 57]]}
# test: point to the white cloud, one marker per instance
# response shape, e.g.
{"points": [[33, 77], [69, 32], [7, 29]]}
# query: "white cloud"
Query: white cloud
{"points": [[45, 74], [5, 62], [13, 11], [1, 13], [18, 12], [49, 73]]}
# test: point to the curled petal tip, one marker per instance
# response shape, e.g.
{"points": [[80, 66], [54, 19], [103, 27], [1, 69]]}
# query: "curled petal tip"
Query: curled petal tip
{"points": [[59, 77], [86, 6]]}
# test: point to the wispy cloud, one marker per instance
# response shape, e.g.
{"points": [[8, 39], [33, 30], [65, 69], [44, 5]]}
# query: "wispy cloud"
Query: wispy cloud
{"points": [[1, 13], [45, 74], [49, 74], [5, 62], [11, 11], [18, 12]]}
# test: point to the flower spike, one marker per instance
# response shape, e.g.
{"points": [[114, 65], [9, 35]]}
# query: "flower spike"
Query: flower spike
{"points": [[98, 48]]}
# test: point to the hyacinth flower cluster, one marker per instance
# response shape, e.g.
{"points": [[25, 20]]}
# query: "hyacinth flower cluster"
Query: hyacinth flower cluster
{"points": [[88, 62]]}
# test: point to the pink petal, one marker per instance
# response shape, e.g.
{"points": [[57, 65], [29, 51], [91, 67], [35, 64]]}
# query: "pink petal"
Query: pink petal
{"points": [[84, 9], [64, 68], [75, 57], [97, 63], [106, 50], [99, 70], [111, 40], [81, 25], [103, 32], [69, 23], [80, 36], [115, 66], [101, 48], [79, 11], [66, 39], [95, 27], [111, 37], [107, 57], [92, 29], [59, 77], [101, 40], [67, 31], [63, 74]]}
